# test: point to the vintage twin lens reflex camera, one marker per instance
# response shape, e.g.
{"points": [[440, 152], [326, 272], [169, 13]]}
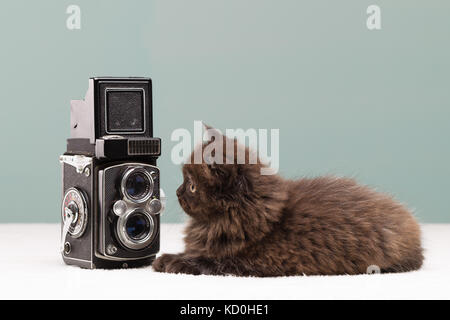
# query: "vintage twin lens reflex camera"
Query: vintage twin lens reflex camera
{"points": [[111, 185]]}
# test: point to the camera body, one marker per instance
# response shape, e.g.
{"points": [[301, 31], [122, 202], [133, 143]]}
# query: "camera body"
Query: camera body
{"points": [[111, 185]]}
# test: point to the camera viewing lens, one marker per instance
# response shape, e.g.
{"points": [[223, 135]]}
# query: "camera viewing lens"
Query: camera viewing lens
{"points": [[137, 185], [137, 226]]}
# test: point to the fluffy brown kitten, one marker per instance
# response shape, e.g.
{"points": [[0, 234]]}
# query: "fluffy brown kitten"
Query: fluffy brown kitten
{"points": [[247, 224]]}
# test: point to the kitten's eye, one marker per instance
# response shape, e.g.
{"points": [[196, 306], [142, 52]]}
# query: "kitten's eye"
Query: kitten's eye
{"points": [[192, 186]]}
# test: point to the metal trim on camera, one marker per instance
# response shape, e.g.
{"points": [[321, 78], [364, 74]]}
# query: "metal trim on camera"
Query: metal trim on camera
{"points": [[139, 182], [136, 234]]}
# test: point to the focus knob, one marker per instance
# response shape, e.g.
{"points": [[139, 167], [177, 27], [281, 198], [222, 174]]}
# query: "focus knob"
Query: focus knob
{"points": [[120, 207], [154, 206], [74, 207]]}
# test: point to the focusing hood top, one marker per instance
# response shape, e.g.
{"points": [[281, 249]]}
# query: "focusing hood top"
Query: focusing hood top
{"points": [[114, 120]]}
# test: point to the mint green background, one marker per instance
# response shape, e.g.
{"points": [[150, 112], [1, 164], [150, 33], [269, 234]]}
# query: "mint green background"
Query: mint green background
{"points": [[347, 101]]}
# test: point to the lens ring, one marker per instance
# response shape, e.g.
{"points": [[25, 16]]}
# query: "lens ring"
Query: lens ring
{"points": [[136, 229], [137, 185]]}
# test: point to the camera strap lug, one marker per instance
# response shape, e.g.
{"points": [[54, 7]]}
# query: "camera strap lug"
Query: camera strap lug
{"points": [[78, 161]]}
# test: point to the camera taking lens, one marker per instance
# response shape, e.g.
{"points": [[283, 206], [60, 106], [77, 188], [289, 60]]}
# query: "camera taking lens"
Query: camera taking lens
{"points": [[137, 226], [136, 229]]}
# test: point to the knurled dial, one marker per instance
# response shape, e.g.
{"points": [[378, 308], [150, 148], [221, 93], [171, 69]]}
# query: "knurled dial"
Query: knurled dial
{"points": [[74, 204]]}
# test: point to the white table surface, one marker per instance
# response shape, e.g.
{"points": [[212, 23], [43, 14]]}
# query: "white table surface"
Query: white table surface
{"points": [[31, 268]]}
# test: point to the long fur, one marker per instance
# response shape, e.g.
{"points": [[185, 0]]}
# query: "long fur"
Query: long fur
{"points": [[247, 224]]}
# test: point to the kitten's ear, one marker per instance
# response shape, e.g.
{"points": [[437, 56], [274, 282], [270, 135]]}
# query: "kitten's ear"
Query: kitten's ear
{"points": [[206, 126], [211, 133]]}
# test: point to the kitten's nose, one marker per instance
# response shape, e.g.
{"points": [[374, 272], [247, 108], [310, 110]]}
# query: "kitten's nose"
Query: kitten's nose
{"points": [[180, 191]]}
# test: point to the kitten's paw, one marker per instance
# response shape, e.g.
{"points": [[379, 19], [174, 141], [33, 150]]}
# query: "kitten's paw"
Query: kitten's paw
{"points": [[175, 263], [160, 263]]}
